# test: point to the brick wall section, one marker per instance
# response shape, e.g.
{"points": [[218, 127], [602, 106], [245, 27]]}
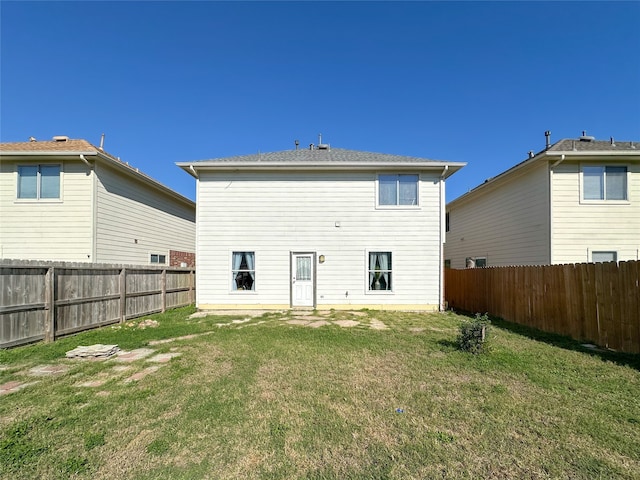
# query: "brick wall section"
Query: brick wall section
{"points": [[176, 258]]}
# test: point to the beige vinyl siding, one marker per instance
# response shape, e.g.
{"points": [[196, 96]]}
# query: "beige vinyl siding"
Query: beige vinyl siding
{"points": [[274, 214], [47, 229], [506, 223], [580, 228], [134, 220]]}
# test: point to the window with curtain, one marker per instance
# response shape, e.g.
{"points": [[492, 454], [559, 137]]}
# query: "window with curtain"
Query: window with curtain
{"points": [[379, 271], [39, 182], [243, 271], [397, 189], [604, 183]]}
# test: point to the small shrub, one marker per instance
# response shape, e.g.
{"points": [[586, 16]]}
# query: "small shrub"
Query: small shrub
{"points": [[473, 334]]}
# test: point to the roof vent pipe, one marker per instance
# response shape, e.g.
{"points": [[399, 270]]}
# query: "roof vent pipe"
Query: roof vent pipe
{"points": [[297, 144], [613, 142], [311, 146], [102, 142], [530, 153], [547, 136]]}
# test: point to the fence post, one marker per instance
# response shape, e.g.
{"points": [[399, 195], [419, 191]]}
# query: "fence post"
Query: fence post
{"points": [[50, 305], [123, 295], [163, 282], [192, 296]]}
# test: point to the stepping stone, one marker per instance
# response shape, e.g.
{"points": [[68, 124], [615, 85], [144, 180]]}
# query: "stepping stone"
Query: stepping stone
{"points": [[46, 370], [163, 357], [319, 323], [346, 323], [121, 368], [378, 325], [298, 322], [134, 355], [310, 318], [11, 387], [92, 383], [140, 375]]}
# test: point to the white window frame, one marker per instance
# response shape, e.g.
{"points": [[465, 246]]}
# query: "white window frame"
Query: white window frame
{"points": [[231, 270], [38, 197], [367, 271], [158, 256], [397, 205], [600, 201]]}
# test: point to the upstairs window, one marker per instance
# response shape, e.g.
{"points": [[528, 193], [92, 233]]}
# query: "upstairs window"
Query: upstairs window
{"points": [[398, 190], [604, 183], [38, 182], [243, 271]]}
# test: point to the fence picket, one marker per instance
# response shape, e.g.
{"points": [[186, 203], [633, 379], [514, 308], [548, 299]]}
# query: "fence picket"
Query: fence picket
{"points": [[42, 300]]}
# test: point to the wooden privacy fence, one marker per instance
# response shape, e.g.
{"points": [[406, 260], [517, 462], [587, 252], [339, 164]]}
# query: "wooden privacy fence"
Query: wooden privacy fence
{"points": [[44, 300], [596, 302]]}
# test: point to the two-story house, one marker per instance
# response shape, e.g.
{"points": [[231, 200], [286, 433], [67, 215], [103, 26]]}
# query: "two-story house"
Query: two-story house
{"points": [[576, 201], [320, 227], [67, 200]]}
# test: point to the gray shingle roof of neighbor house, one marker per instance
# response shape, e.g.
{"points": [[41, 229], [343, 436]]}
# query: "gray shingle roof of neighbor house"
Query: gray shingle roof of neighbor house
{"points": [[63, 146], [570, 145], [320, 158], [584, 146]]}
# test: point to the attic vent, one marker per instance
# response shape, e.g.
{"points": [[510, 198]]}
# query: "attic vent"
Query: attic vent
{"points": [[323, 146], [60, 138], [586, 138]]}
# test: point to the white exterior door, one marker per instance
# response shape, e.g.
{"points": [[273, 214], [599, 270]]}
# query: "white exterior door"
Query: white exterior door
{"points": [[302, 280]]}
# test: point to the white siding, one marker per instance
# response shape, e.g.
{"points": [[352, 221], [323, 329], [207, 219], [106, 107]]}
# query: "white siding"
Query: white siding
{"points": [[579, 229], [134, 220], [51, 229], [506, 223], [274, 214]]}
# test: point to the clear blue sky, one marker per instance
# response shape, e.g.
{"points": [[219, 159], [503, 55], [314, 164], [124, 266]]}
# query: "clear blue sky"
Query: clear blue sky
{"points": [[475, 82]]}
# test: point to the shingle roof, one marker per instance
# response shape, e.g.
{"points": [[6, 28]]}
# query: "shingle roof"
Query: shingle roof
{"points": [[329, 155], [571, 145], [80, 146], [48, 146]]}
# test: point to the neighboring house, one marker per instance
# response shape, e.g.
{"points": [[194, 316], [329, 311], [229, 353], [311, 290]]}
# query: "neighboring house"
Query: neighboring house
{"points": [[576, 201], [324, 228], [68, 200]]}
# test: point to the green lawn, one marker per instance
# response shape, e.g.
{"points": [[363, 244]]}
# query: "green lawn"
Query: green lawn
{"points": [[268, 399]]}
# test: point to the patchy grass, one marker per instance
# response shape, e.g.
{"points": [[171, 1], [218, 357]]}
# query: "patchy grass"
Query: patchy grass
{"points": [[263, 398]]}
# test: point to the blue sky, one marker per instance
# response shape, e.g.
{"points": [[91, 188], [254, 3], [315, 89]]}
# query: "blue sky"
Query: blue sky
{"points": [[475, 82]]}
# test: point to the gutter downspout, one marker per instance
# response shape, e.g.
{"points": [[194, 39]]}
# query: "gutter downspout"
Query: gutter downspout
{"points": [[442, 236], [195, 174], [94, 212], [82, 157], [554, 165]]}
